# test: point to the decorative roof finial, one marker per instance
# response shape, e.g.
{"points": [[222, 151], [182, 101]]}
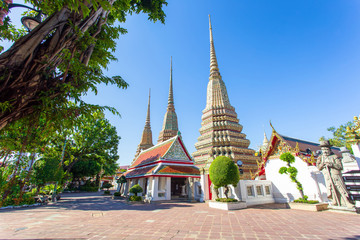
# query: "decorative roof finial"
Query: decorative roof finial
{"points": [[147, 122], [214, 68], [171, 95]]}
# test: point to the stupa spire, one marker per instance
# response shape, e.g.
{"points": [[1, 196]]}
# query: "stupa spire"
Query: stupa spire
{"points": [[170, 125], [147, 122], [214, 68], [146, 138], [220, 132], [171, 94]]}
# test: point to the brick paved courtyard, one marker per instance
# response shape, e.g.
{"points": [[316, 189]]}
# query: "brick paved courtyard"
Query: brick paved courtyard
{"points": [[92, 216]]}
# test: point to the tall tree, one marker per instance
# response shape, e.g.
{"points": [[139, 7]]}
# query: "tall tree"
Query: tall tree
{"points": [[339, 133], [64, 56]]}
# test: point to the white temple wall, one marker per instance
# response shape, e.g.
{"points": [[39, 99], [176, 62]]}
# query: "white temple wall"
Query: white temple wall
{"points": [[284, 190], [356, 151]]}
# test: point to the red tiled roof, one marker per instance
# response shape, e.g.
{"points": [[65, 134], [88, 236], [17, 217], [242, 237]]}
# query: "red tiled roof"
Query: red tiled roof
{"points": [[139, 172], [178, 170], [152, 154]]}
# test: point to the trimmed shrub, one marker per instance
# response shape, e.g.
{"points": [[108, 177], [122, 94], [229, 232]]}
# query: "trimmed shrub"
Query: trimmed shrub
{"points": [[226, 200], [223, 172], [107, 185], [136, 189], [116, 194], [85, 188], [107, 192], [305, 200], [135, 198]]}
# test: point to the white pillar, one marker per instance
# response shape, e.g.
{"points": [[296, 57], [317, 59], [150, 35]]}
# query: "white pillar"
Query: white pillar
{"points": [[127, 187], [154, 188], [168, 189], [202, 184]]}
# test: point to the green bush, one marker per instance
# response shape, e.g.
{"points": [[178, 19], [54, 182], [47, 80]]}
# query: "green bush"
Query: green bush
{"points": [[107, 192], [223, 172], [85, 188], [226, 200], [28, 199], [136, 189], [305, 200], [135, 198], [116, 194], [107, 185]]}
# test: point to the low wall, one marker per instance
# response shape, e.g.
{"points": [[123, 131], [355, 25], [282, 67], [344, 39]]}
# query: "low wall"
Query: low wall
{"points": [[253, 192]]}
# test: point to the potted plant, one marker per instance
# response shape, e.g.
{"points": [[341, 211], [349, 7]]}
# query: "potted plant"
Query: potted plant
{"points": [[224, 172], [107, 186], [136, 190]]}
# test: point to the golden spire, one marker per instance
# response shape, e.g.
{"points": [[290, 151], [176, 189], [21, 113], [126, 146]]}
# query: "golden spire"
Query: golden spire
{"points": [[171, 95], [214, 68], [147, 122], [146, 138], [170, 125]]}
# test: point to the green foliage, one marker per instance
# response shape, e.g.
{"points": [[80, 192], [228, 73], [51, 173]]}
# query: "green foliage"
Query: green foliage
{"points": [[76, 63], [48, 189], [46, 171], [287, 157], [135, 198], [292, 171], [305, 200], [223, 171], [339, 133], [107, 185], [136, 189], [121, 179], [107, 192], [226, 200], [88, 189], [89, 186], [283, 170], [85, 168], [117, 194]]}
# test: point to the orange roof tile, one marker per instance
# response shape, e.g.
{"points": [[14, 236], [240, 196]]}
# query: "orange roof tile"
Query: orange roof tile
{"points": [[139, 172], [153, 153], [178, 170]]}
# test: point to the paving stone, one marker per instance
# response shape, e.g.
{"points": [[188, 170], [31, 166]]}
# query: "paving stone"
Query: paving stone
{"points": [[92, 216]]}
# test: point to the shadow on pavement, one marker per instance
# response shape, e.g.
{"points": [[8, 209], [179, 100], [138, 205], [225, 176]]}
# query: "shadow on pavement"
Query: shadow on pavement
{"points": [[98, 202], [274, 206]]}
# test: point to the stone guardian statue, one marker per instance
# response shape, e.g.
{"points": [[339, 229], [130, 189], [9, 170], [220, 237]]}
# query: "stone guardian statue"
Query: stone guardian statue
{"points": [[330, 165]]}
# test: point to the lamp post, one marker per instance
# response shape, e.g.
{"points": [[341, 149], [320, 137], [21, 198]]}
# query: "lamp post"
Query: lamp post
{"points": [[29, 22]]}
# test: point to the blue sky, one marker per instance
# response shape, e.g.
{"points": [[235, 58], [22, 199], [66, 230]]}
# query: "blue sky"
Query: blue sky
{"points": [[295, 63]]}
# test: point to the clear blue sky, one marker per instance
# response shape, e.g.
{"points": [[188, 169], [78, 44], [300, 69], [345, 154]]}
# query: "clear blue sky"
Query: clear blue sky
{"points": [[295, 63]]}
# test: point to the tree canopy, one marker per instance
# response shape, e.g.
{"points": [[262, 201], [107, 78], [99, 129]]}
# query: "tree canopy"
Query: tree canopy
{"points": [[338, 138], [65, 55], [223, 172]]}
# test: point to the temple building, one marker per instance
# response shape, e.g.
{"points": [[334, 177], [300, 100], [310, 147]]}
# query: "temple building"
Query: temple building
{"points": [[220, 129], [305, 153], [165, 171]]}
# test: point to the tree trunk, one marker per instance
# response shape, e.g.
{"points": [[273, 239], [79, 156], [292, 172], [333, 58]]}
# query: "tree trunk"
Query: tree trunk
{"points": [[226, 191], [29, 68]]}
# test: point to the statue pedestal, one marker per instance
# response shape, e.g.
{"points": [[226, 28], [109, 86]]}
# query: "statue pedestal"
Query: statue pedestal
{"points": [[341, 209]]}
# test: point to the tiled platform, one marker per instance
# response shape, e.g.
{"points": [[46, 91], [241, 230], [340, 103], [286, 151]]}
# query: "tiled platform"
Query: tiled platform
{"points": [[91, 216]]}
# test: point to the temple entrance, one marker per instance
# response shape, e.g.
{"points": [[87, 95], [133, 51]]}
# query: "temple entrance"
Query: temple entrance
{"points": [[178, 188]]}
